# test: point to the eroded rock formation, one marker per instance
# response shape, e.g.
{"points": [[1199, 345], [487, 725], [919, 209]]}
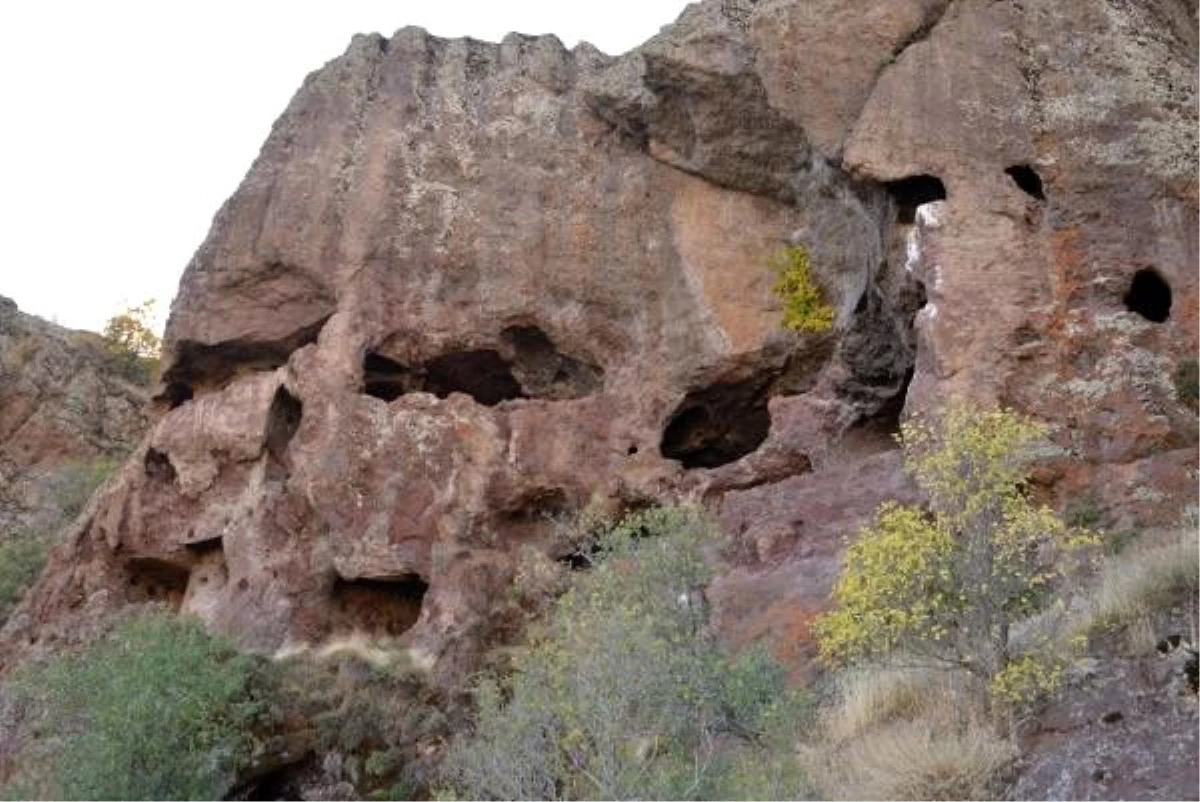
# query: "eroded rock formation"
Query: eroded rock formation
{"points": [[468, 288]]}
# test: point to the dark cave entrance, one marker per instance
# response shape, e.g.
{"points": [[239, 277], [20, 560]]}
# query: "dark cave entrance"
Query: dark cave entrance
{"points": [[718, 424], [909, 193], [481, 374], [1027, 180], [158, 466], [380, 606], [1149, 296], [151, 580]]}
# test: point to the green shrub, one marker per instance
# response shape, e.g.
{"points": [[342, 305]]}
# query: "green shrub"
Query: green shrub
{"points": [[22, 558], [155, 709], [804, 306], [1187, 381], [625, 694]]}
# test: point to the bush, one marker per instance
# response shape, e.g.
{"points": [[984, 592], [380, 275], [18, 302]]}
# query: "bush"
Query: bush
{"points": [[625, 694], [1187, 381], [949, 584], [23, 554], [804, 306], [155, 709], [22, 558]]}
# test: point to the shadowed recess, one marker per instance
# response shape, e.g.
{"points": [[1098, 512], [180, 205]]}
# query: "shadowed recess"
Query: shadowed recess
{"points": [[718, 424], [152, 580], [380, 607], [283, 419], [1149, 296], [158, 466], [909, 193], [1027, 180]]}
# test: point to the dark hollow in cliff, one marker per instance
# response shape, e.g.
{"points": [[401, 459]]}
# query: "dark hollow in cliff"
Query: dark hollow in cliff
{"points": [[481, 374], [379, 607], [158, 466], [1149, 296], [1027, 180], [543, 370], [283, 419], [718, 424], [910, 192], [150, 580], [175, 395]]}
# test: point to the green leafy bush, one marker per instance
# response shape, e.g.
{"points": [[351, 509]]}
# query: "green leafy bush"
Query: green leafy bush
{"points": [[804, 305], [1187, 381], [22, 558], [625, 694], [155, 709], [949, 584]]}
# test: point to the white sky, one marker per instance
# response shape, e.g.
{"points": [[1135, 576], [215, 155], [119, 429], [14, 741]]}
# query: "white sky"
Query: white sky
{"points": [[126, 124]]}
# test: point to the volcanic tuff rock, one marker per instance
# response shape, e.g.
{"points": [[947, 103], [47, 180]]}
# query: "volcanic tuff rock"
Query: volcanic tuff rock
{"points": [[62, 404], [468, 289]]}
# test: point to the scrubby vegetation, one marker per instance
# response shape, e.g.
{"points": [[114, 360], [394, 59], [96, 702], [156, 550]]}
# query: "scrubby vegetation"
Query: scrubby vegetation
{"points": [[23, 552], [155, 709], [804, 306], [624, 694]]}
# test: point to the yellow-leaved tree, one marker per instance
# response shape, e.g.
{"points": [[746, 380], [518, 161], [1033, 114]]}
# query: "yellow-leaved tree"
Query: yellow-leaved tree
{"points": [[131, 342], [804, 307], [949, 582]]}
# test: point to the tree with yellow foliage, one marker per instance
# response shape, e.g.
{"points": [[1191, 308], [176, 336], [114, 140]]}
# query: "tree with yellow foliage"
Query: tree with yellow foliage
{"points": [[131, 342], [948, 583]]}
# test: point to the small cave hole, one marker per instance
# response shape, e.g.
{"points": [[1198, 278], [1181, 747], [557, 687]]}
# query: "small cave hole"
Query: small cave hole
{"points": [[543, 370], [380, 607], [481, 374], [909, 193], [1027, 180], [283, 420], [152, 580], [579, 560], [176, 394], [1191, 670], [384, 378], [1149, 296], [718, 424], [158, 466], [545, 504]]}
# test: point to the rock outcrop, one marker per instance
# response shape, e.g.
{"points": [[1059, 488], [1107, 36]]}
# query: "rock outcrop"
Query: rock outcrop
{"points": [[469, 289], [63, 406]]}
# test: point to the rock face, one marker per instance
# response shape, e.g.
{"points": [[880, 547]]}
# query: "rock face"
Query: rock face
{"points": [[468, 289], [62, 406]]}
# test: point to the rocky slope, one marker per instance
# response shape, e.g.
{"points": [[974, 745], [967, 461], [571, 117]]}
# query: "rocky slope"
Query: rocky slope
{"points": [[62, 406], [468, 289]]}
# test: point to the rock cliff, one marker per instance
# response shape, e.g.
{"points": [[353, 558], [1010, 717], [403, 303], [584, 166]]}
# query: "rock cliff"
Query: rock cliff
{"points": [[469, 289], [62, 407]]}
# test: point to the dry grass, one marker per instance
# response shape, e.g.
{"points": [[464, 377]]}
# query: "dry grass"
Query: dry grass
{"points": [[922, 759], [1161, 570], [907, 733]]}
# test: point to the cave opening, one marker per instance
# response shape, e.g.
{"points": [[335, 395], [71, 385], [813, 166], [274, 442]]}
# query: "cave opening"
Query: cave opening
{"points": [[283, 420], [1149, 296], [718, 424], [384, 378], [910, 192], [149, 580], [544, 371], [1027, 180], [176, 394], [481, 374], [384, 606], [158, 466]]}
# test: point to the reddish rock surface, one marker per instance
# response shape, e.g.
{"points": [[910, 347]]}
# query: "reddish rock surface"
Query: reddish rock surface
{"points": [[468, 289]]}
